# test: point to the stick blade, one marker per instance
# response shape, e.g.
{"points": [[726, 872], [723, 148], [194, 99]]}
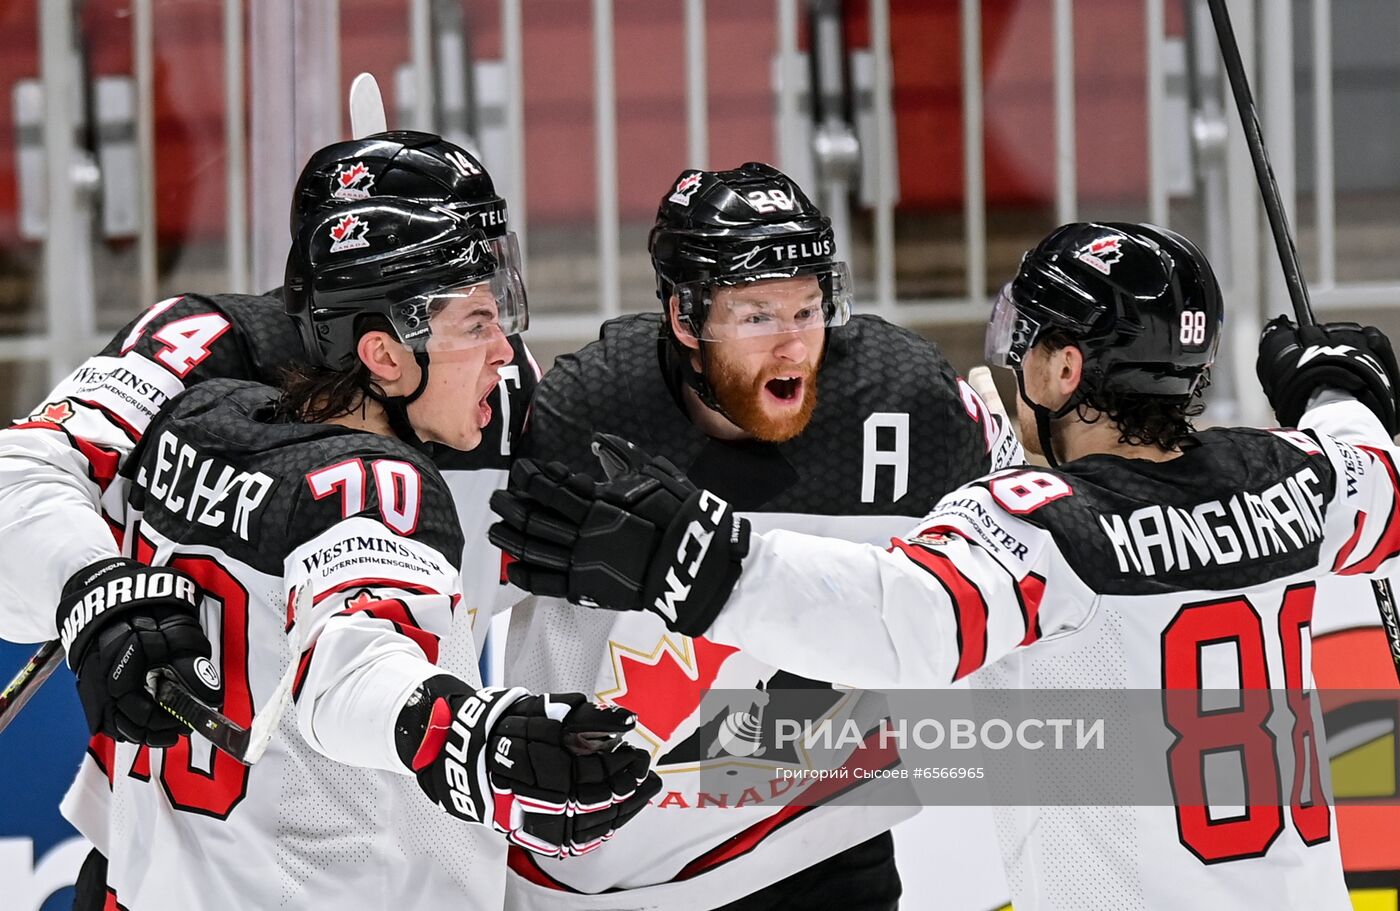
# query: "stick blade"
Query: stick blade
{"points": [[366, 107], [980, 379]]}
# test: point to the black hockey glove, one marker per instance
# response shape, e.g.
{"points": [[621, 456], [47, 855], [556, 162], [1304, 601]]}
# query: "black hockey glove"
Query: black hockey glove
{"points": [[555, 777], [646, 539], [1294, 362], [119, 620]]}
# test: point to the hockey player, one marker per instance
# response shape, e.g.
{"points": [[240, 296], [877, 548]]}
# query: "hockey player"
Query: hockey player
{"points": [[756, 379], [337, 538], [62, 493], [1118, 569]]}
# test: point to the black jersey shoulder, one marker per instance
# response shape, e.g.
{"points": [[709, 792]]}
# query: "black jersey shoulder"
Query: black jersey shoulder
{"points": [[890, 434], [199, 337], [1238, 508], [220, 469]]}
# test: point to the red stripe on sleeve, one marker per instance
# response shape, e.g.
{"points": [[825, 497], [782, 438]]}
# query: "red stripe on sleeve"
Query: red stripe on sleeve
{"points": [[1345, 553], [1388, 545], [416, 588], [103, 751], [102, 462], [1032, 589], [303, 666], [969, 607], [396, 612], [112, 416]]}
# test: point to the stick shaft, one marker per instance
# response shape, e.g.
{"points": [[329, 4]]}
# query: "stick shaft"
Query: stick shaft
{"points": [[1263, 170], [1287, 252], [26, 683]]}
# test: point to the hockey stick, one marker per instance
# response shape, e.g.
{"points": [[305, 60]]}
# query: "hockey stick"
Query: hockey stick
{"points": [[1287, 252], [980, 379], [366, 107], [26, 683], [247, 745]]}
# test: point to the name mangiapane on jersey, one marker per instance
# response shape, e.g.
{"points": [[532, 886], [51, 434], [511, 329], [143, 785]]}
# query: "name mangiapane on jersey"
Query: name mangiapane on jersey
{"points": [[1285, 517], [181, 481]]}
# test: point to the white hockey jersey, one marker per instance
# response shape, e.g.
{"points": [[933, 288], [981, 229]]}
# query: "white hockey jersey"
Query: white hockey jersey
{"points": [[63, 494], [893, 430], [325, 553], [1112, 573]]}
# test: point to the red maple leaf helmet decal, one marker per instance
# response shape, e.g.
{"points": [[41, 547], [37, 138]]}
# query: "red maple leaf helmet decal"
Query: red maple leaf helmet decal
{"points": [[352, 181], [349, 233], [1101, 254], [352, 175], [685, 188], [342, 230]]}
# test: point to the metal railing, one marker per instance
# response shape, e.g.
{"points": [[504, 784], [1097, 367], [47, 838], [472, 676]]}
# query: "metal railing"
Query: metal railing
{"points": [[256, 228]]}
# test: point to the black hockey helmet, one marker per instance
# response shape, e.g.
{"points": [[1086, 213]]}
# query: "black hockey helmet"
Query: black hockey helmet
{"points": [[419, 166], [749, 224], [399, 259], [1141, 302]]}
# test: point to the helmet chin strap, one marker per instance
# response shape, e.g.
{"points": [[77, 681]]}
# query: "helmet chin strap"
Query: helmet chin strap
{"points": [[1043, 417], [396, 406], [697, 381]]}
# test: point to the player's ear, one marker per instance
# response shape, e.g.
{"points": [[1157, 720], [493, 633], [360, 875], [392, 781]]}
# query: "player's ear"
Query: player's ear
{"points": [[386, 358], [1068, 369], [678, 325]]}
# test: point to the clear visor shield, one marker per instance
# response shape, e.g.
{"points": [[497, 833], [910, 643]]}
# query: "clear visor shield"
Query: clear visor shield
{"points": [[456, 320], [1010, 334], [506, 249], [806, 299]]}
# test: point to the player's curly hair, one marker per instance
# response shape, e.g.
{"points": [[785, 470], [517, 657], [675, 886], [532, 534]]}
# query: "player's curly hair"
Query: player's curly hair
{"points": [[1142, 420], [312, 393]]}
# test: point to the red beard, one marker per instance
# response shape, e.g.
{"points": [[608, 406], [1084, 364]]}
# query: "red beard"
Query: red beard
{"points": [[743, 398]]}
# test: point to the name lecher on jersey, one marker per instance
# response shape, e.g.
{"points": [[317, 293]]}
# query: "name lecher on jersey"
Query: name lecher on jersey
{"points": [[196, 486]]}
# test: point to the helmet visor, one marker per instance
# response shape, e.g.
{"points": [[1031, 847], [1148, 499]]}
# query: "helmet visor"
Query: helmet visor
{"points": [[1010, 332], [794, 300], [464, 317], [506, 249]]}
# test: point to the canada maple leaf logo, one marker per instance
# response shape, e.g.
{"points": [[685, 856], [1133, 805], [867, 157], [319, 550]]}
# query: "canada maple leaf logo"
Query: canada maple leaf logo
{"points": [[352, 181], [57, 412], [1101, 254], [349, 233], [685, 188], [665, 687], [360, 600]]}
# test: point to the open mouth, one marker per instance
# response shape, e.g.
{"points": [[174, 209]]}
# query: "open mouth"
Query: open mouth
{"points": [[483, 406], [786, 389]]}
